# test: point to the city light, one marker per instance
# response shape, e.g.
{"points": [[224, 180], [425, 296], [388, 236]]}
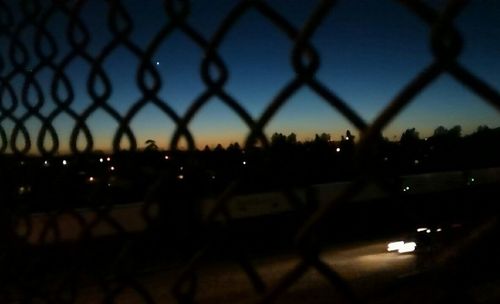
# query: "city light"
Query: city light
{"points": [[64, 162], [112, 168], [338, 149], [422, 229], [101, 160], [23, 190], [91, 179], [244, 163], [180, 176], [166, 157], [108, 158]]}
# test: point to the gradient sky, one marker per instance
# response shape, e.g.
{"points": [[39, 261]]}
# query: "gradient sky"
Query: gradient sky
{"points": [[369, 51]]}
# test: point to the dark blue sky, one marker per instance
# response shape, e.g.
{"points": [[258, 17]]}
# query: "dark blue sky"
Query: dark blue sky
{"points": [[369, 51]]}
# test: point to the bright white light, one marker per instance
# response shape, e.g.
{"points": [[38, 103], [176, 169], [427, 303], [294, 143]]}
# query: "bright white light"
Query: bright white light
{"points": [[22, 190], [108, 159], [472, 179], [244, 162], [64, 162], [393, 246], [91, 179], [338, 149], [428, 231], [180, 176], [439, 230], [46, 163], [101, 160], [422, 229], [112, 168], [347, 138], [407, 247], [166, 156], [157, 63], [401, 246]]}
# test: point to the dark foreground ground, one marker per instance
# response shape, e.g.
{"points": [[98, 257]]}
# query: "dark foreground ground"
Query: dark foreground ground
{"points": [[458, 264]]}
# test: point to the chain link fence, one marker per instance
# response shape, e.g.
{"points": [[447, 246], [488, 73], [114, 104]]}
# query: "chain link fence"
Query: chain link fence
{"points": [[39, 265]]}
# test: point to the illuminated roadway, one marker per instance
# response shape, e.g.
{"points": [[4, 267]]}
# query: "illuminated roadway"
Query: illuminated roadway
{"points": [[367, 267]]}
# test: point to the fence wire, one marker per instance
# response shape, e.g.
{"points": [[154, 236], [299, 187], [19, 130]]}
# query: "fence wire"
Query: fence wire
{"points": [[27, 278]]}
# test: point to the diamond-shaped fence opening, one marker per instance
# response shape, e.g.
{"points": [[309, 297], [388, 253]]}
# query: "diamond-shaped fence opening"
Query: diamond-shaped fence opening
{"points": [[66, 238]]}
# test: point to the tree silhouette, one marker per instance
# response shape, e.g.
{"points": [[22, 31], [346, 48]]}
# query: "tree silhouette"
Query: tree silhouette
{"points": [[278, 139], [455, 132], [234, 147], [410, 136], [291, 138], [219, 148], [151, 145], [323, 137], [440, 131]]}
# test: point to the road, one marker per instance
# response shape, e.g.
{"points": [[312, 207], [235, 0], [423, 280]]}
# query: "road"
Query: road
{"points": [[366, 266]]}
